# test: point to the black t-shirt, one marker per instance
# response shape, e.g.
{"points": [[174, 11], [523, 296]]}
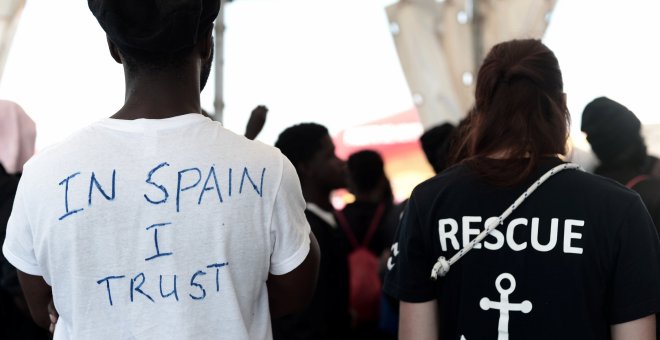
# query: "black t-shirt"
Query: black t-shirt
{"points": [[8, 185], [649, 190], [8, 279], [647, 187], [327, 316], [14, 322], [581, 253]]}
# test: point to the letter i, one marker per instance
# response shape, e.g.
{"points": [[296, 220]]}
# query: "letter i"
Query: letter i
{"points": [[68, 212]]}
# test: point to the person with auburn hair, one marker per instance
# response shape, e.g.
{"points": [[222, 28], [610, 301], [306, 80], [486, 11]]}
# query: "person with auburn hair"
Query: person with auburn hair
{"points": [[514, 243]]}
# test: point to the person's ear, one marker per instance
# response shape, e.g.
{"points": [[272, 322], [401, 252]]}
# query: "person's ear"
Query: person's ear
{"points": [[114, 52], [206, 45]]}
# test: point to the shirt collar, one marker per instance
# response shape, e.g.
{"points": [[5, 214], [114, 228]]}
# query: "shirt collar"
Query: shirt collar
{"points": [[327, 216]]}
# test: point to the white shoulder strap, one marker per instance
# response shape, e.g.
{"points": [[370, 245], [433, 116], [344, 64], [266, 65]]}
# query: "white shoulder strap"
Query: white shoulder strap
{"points": [[442, 266]]}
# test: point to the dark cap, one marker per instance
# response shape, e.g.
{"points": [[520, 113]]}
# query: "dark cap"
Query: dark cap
{"points": [[436, 143], [155, 26], [612, 130]]}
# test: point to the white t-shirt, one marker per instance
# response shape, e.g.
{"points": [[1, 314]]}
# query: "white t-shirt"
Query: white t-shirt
{"points": [[159, 229]]}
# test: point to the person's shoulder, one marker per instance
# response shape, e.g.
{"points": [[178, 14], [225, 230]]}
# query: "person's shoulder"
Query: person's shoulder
{"points": [[584, 183], [594, 194], [59, 152], [576, 182], [649, 189], [237, 146]]}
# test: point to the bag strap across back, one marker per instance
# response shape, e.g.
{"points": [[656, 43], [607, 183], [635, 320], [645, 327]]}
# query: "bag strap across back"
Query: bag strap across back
{"points": [[373, 226]]}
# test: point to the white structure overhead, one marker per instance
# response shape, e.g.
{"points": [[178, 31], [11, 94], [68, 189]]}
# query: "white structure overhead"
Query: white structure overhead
{"points": [[441, 45], [10, 11]]}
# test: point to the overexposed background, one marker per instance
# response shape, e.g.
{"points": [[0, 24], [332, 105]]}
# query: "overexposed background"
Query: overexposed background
{"points": [[332, 62]]}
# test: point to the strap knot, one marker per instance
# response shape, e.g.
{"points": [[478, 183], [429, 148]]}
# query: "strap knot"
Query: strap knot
{"points": [[440, 268]]}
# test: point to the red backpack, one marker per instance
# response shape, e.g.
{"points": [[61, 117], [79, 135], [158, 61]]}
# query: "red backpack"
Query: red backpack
{"points": [[363, 266]]}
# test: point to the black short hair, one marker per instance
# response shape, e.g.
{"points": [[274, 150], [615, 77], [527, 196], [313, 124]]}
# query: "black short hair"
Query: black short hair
{"points": [[614, 133], [436, 144], [300, 142], [155, 33], [366, 170]]}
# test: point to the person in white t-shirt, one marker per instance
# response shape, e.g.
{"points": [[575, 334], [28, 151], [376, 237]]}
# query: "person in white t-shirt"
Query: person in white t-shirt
{"points": [[158, 223]]}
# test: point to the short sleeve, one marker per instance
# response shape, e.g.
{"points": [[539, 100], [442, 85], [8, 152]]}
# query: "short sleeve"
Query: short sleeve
{"points": [[410, 264], [289, 228], [635, 288], [18, 247]]}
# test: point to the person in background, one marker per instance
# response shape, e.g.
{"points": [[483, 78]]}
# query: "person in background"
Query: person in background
{"points": [[256, 122], [369, 184], [369, 238], [17, 137], [561, 254], [158, 223], [614, 133], [312, 152], [436, 144]]}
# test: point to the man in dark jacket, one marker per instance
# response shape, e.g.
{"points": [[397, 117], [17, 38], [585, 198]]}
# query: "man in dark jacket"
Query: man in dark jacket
{"points": [[614, 134]]}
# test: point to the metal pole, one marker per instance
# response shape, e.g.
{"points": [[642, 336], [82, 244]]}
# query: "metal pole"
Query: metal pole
{"points": [[219, 103], [9, 16], [477, 23]]}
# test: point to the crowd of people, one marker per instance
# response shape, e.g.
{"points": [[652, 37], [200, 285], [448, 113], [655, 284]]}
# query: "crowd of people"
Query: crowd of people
{"points": [[159, 223]]}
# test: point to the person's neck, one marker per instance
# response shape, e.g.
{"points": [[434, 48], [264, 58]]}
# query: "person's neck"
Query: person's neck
{"points": [[318, 196], [160, 95]]}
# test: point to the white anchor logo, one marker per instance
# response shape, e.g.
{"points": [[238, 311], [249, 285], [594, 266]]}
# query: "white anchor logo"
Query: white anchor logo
{"points": [[504, 306]]}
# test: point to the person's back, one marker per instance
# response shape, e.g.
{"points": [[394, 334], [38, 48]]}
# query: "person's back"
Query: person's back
{"points": [[369, 235], [580, 263], [360, 216], [369, 184], [516, 241], [138, 223], [158, 222]]}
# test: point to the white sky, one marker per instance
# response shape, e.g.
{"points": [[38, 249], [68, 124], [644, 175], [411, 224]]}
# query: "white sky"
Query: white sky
{"points": [[608, 48], [332, 62]]}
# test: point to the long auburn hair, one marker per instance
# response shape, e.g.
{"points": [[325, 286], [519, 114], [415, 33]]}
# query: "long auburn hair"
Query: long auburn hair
{"points": [[520, 110]]}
